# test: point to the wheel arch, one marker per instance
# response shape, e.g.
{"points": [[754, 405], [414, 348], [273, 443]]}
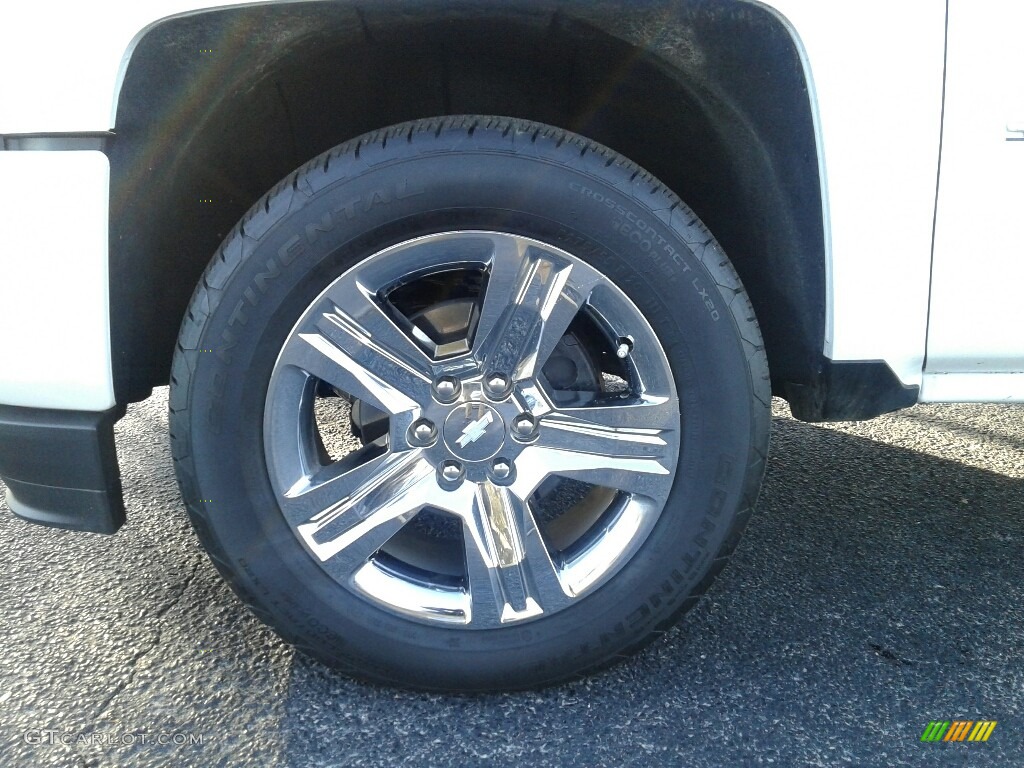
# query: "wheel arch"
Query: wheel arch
{"points": [[713, 98]]}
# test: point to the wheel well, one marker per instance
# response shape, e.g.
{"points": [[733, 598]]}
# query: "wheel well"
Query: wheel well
{"points": [[216, 107]]}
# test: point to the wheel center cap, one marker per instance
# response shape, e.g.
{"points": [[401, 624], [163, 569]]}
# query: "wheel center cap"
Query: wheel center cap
{"points": [[474, 432]]}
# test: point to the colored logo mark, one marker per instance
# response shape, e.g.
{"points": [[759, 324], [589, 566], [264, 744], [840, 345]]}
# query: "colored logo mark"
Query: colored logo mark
{"points": [[958, 730]]}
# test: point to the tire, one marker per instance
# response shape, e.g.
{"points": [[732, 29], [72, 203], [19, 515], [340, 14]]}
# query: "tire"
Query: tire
{"points": [[379, 406]]}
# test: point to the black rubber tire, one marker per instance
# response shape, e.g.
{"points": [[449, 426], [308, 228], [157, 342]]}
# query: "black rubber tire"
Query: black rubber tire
{"points": [[468, 173]]}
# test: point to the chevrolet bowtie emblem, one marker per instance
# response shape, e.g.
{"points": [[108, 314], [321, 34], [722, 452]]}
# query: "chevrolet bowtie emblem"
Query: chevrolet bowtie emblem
{"points": [[474, 430]]}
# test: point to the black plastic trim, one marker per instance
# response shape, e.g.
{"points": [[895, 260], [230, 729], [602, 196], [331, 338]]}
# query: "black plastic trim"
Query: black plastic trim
{"points": [[56, 142], [849, 390], [60, 467]]}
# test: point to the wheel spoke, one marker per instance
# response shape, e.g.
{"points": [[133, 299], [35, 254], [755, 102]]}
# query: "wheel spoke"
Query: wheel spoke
{"points": [[591, 444], [371, 320], [599, 432], [362, 352], [531, 298], [378, 364], [644, 412], [647, 477], [511, 575], [349, 515], [502, 282]]}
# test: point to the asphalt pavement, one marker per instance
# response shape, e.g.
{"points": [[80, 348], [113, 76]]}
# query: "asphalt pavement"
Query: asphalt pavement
{"points": [[880, 587]]}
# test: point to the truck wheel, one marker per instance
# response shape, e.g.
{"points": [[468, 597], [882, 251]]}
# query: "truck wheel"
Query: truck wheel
{"points": [[470, 403]]}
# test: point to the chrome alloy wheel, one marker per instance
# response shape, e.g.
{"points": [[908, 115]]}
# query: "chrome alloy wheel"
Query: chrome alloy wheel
{"points": [[526, 430]]}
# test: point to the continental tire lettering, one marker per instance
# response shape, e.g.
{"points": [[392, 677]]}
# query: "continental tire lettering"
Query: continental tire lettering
{"points": [[291, 250], [360, 204], [695, 566], [326, 225], [638, 617], [670, 593], [262, 278], [238, 315], [228, 337], [403, 191], [688, 560], [295, 247], [229, 341], [724, 470], [349, 208], [378, 196], [701, 540], [213, 413], [717, 503]]}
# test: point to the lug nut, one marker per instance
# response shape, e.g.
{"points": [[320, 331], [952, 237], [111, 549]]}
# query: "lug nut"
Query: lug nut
{"points": [[524, 425], [451, 471], [446, 389], [501, 469], [422, 433], [497, 385]]}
